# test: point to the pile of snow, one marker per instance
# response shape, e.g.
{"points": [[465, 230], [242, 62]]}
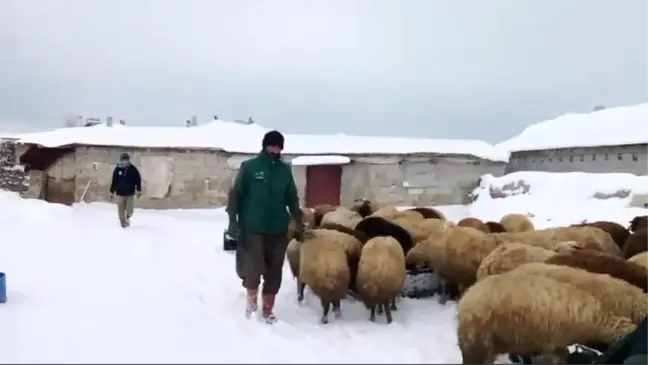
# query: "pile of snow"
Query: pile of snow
{"points": [[246, 138], [607, 127], [559, 198]]}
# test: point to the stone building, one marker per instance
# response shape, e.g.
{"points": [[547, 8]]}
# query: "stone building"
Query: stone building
{"points": [[194, 167], [605, 141]]}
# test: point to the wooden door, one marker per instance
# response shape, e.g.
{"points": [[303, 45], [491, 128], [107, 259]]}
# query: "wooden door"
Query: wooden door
{"points": [[60, 191], [323, 185]]}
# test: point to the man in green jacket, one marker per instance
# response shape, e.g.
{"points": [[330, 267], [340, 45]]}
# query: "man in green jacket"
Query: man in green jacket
{"points": [[263, 193]]}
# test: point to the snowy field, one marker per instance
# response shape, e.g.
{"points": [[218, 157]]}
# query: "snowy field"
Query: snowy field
{"points": [[82, 289]]}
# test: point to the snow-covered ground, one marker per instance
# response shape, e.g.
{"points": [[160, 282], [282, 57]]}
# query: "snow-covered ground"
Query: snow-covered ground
{"points": [[81, 289]]}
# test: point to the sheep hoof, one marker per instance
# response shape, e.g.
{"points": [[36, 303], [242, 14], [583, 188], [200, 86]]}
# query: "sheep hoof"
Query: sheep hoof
{"points": [[338, 313], [443, 299], [324, 320], [393, 307], [300, 298]]}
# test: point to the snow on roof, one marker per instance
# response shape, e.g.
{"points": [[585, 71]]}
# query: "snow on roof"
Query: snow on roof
{"points": [[320, 160], [246, 138], [607, 127]]}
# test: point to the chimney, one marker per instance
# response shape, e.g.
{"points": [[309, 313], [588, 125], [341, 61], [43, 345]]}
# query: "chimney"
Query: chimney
{"points": [[194, 121], [109, 121]]}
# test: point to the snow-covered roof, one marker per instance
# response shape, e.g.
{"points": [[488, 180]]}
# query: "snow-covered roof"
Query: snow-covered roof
{"points": [[246, 138], [320, 160], [607, 127]]}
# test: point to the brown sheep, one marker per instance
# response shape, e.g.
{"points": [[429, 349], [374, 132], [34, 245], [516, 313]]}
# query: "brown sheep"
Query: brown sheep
{"points": [[528, 314], [616, 296], [495, 227], [516, 223], [319, 211], [324, 267], [381, 274], [636, 243], [455, 253], [508, 256], [640, 259], [601, 263], [618, 233], [429, 213], [474, 223], [638, 222]]}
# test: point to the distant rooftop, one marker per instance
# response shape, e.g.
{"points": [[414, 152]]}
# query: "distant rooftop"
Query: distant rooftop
{"points": [[607, 127]]}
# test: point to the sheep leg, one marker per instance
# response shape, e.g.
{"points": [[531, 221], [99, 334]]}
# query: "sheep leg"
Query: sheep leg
{"points": [[443, 298], [372, 313], [326, 306], [300, 290], [388, 315], [392, 305], [337, 310]]}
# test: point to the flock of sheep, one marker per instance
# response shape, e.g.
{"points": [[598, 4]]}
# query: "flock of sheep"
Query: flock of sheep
{"points": [[519, 290]]}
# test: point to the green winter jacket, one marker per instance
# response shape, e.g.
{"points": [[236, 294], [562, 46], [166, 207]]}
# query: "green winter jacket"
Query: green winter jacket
{"points": [[263, 188]]}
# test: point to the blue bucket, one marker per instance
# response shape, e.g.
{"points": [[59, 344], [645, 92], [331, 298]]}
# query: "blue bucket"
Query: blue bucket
{"points": [[3, 288]]}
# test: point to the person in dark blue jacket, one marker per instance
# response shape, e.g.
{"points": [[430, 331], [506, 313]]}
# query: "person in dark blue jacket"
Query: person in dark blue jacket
{"points": [[126, 183]]}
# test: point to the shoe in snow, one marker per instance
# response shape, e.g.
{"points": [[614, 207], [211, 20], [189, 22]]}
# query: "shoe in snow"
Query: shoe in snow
{"points": [[267, 308], [251, 305]]}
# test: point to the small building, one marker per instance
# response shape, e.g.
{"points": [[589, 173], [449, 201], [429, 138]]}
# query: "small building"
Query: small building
{"points": [[604, 141], [195, 167]]}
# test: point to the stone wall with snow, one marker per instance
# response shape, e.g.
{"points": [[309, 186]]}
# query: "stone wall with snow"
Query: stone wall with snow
{"points": [[177, 178], [12, 176]]}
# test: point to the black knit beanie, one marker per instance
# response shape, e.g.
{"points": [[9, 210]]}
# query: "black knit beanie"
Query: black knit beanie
{"points": [[273, 138]]}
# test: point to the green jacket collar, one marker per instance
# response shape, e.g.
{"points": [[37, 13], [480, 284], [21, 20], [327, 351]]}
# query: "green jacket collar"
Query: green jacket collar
{"points": [[266, 157]]}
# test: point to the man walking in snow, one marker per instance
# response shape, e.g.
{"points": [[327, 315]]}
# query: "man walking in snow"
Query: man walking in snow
{"points": [[258, 217], [126, 182]]}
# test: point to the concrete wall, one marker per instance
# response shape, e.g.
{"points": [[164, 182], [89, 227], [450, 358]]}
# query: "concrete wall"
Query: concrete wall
{"points": [[629, 159], [415, 181], [197, 179]]}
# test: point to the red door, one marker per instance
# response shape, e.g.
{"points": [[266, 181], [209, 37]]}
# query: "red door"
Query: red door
{"points": [[323, 185]]}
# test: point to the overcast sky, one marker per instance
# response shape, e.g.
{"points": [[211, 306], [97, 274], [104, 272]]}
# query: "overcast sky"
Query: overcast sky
{"points": [[435, 68]]}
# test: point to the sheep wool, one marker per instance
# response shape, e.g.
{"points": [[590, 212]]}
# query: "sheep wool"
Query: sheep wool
{"points": [[616, 296], [508, 256], [636, 243], [428, 213], [528, 314], [516, 223], [495, 227], [381, 274], [618, 233], [473, 223], [601, 263], [320, 211], [419, 229], [640, 259], [324, 268], [342, 216]]}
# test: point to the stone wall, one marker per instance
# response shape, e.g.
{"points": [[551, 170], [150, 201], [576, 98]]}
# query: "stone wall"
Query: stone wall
{"points": [[195, 179], [12, 176], [631, 159], [415, 181]]}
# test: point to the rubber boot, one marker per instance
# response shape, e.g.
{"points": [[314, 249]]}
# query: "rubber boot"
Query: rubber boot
{"points": [[251, 305], [267, 308]]}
